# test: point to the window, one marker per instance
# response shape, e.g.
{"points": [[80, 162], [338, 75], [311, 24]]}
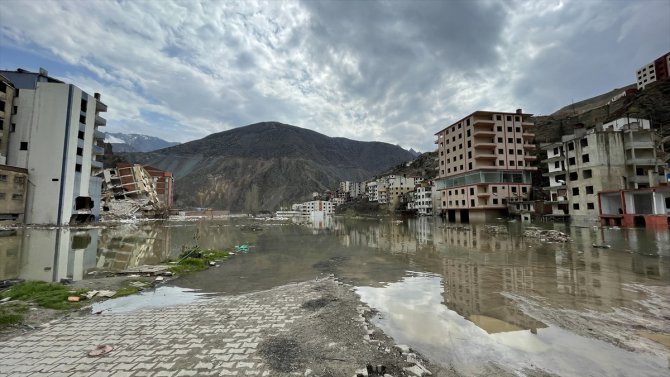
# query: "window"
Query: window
{"points": [[520, 163], [589, 189], [519, 152], [463, 202], [467, 122], [2, 123], [524, 189], [82, 119], [80, 135], [510, 140], [472, 190], [585, 158], [77, 167], [469, 144], [573, 176], [80, 152], [518, 129], [470, 165], [572, 161], [557, 164], [584, 142], [513, 188], [500, 140], [511, 151], [587, 174], [468, 132], [509, 129], [590, 206], [639, 171], [571, 146], [511, 163], [575, 206], [495, 201], [463, 193], [499, 128], [498, 117], [501, 163], [509, 118], [472, 202], [469, 154], [20, 180], [2, 195], [15, 110], [3, 178], [460, 146], [500, 151], [17, 196], [518, 140], [494, 189], [555, 151], [24, 146], [575, 191]]}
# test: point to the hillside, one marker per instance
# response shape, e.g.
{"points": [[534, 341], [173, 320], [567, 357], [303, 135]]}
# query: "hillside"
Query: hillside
{"points": [[266, 165], [135, 142], [652, 103], [425, 165]]}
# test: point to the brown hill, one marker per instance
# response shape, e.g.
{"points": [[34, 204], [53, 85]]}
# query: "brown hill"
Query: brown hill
{"points": [[265, 165]]}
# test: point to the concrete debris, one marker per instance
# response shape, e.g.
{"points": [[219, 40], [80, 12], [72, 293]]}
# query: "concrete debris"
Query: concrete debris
{"points": [[417, 370], [137, 284], [496, 229], [159, 278], [130, 192], [545, 235], [106, 293], [90, 294], [403, 348]]}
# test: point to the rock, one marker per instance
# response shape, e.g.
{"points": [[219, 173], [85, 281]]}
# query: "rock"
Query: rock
{"points": [[106, 293]]}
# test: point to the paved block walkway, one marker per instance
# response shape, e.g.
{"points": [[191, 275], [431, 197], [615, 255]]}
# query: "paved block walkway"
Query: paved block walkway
{"points": [[218, 336]]}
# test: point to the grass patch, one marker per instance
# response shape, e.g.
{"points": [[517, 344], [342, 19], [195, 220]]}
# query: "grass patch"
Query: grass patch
{"points": [[12, 313], [126, 291], [196, 259], [52, 296]]}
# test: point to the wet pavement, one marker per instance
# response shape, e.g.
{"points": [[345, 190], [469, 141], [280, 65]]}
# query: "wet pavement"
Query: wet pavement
{"points": [[462, 295]]}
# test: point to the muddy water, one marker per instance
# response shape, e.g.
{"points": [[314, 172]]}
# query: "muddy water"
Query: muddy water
{"points": [[463, 296]]}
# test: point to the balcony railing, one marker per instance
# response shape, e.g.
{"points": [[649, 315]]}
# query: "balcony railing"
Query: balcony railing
{"points": [[100, 121]]}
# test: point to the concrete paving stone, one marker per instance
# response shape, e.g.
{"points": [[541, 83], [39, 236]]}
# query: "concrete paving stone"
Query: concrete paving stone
{"points": [[227, 372], [187, 372]]}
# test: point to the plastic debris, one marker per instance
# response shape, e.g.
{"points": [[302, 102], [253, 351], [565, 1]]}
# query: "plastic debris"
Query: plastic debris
{"points": [[100, 350], [90, 294], [73, 298]]}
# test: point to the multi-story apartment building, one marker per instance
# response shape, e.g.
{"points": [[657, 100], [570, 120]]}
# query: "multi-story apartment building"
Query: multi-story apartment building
{"points": [[423, 200], [306, 208], [372, 190], [397, 187], [621, 154], [6, 108], [54, 135], [13, 184], [655, 71], [357, 189], [484, 159]]}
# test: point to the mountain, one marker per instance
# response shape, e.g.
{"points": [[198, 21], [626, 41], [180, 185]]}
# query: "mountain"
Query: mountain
{"points": [[136, 142], [651, 103], [267, 165]]}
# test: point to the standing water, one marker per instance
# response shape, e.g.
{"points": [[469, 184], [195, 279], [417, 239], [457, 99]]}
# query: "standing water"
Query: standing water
{"points": [[477, 298]]}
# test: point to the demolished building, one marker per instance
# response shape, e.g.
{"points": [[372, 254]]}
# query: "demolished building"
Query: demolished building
{"points": [[136, 191]]}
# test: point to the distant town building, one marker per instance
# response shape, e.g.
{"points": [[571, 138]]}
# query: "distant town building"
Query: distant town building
{"points": [[654, 71], [618, 155], [484, 159], [306, 208], [54, 135], [6, 109]]}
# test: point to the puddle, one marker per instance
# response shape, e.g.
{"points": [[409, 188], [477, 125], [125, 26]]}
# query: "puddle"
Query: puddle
{"points": [[412, 312], [155, 298]]}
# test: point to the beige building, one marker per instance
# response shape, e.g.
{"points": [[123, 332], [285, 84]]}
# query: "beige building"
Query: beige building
{"points": [[13, 184], [6, 110], [484, 159]]}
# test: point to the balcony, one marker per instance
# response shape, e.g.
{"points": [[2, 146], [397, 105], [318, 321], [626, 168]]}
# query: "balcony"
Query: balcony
{"points": [[485, 145], [483, 194], [100, 107], [640, 145], [643, 161], [553, 159], [527, 125], [530, 146], [484, 133], [483, 123], [98, 150], [96, 164], [99, 135], [528, 135], [100, 121], [553, 173], [485, 156], [552, 188], [529, 158]]}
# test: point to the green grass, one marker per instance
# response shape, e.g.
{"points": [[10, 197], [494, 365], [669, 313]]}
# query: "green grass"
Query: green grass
{"points": [[199, 263], [53, 296], [126, 291], [12, 313]]}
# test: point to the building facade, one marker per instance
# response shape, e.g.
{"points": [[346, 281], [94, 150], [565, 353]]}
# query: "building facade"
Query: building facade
{"points": [[54, 135], [6, 109], [655, 71], [484, 159], [614, 156], [13, 184]]}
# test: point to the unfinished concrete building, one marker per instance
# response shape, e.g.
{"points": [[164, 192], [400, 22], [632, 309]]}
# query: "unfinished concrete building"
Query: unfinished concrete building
{"points": [[131, 190]]}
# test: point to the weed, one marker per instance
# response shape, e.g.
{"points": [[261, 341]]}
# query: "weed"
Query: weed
{"points": [[196, 259], [53, 296], [12, 313]]}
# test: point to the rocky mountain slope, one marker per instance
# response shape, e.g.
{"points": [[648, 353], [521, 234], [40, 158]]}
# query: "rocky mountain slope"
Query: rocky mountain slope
{"points": [[136, 142], [651, 103], [265, 165]]}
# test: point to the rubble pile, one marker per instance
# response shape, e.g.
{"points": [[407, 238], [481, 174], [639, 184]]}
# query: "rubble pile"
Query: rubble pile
{"points": [[496, 229], [545, 235]]}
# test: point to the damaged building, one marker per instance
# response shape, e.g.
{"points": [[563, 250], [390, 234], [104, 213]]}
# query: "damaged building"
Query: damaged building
{"points": [[132, 191]]}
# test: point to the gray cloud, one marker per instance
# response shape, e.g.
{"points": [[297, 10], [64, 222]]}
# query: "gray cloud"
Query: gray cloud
{"points": [[394, 71]]}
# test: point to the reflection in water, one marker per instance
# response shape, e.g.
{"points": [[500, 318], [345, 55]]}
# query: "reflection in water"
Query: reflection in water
{"points": [[462, 303], [154, 298], [412, 311]]}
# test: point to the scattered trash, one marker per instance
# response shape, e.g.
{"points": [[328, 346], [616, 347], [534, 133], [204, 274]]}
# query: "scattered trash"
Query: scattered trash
{"points": [[242, 248], [496, 229], [100, 350], [9, 282], [212, 263], [73, 298], [159, 278], [105, 293], [5, 299], [546, 235], [601, 246], [90, 294], [66, 281], [151, 270]]}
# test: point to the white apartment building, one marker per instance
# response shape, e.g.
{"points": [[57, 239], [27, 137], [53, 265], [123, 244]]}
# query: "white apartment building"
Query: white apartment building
{"points": [[423, 200], [604, 158], [306, 208], [357, 189], [373, 191], [54, 135]]}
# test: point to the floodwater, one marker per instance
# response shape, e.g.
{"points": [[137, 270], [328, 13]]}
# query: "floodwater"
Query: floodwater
{"points": [[463, 296]]}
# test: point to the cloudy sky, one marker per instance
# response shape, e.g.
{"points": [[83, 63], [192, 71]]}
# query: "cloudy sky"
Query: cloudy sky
{"points": [[394, 71]]}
